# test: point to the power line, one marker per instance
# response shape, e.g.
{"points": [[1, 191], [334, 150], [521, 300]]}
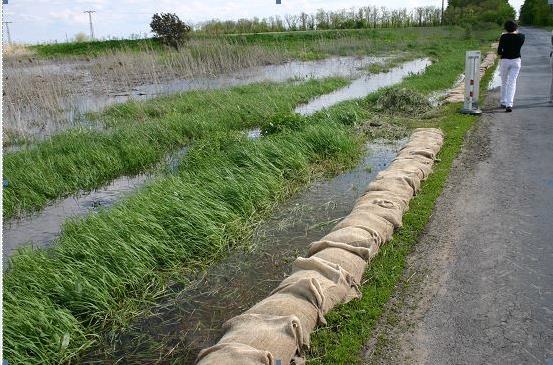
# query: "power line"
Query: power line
{"points": [[90, 21], [7, 24]]}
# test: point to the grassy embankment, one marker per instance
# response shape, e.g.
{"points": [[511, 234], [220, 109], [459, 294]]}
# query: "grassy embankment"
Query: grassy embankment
{"points": [[351, 325], [139, 135], [108, 266], [73, 161]]}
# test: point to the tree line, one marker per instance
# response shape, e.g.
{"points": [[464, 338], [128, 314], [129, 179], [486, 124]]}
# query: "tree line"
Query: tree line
{"points": [[478, 11], [536, 12], [354, 18]]}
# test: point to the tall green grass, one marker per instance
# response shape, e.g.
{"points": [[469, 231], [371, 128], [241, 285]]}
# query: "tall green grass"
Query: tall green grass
{"points": [[112, 262], [138, 136]]}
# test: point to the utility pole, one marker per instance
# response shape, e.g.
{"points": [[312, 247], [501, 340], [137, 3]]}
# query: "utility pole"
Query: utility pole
{"points": [[90, 21], [442, 18], [7, 24]]}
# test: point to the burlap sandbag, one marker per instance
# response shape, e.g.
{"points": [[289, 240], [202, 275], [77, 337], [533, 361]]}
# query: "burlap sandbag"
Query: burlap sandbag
{"points": [[347, 260], [396, 186], [338, 286], [303, 299], [282, 336], [363, 252], [423, 151], [376, 196], [368, 221], [386, 209], [427, 136], [354, 236], [429, 130], [233, 354], [424, 143], [423, 170], [412, 178]]}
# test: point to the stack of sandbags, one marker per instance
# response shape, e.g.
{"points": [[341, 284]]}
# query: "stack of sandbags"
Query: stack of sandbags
{"points": [[278, 327], [457, 94]]}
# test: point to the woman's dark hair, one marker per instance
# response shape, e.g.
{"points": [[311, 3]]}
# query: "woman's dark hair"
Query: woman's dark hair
{"points": [[510, 26]]}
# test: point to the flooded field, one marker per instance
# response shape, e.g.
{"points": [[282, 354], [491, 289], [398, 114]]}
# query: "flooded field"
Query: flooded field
{"points": [[74, 90], [365, 85], [191, 319], [40, 229]]}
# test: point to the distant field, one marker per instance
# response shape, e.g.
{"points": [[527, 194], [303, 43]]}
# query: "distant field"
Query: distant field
{"points": [[299, 43]]}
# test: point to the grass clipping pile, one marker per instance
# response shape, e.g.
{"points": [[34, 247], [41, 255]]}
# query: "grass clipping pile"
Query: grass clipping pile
{"points": [[277, 329]]}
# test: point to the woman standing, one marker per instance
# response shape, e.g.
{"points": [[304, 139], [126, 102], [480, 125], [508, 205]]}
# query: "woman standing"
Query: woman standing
{"points": [[510, 44]]}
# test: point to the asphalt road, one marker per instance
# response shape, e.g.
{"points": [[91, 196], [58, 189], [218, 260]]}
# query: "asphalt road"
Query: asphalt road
{"points": [[479, 287]]}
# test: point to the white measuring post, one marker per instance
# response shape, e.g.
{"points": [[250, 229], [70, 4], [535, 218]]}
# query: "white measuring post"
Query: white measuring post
{"points": [[472, 83]]}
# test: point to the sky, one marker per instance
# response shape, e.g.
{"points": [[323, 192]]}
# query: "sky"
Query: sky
{"points": [[36, 21]]}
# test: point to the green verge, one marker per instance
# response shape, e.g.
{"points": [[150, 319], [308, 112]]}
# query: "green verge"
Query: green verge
{"points": [[349, 326], [109, 265], [138, 136]]}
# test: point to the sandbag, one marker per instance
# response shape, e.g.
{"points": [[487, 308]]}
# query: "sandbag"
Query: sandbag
{"points": [[233, 354], [428, 130], [303, 298], [386, 209], [426, 152], [411, 165], [396, 186], [370, 222], [282, 336], [425, 144], [363, 252], [429, 137], [338, 286], [353, 236], [412, 178], [376, 196], [347, 260]]}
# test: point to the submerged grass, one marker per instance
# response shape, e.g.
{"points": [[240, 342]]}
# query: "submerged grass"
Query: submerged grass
{"points": [[113, 262], [138, 135]]}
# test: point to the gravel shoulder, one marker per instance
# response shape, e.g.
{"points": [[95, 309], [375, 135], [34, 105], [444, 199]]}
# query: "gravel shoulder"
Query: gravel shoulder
{"points": [[478, 287]]}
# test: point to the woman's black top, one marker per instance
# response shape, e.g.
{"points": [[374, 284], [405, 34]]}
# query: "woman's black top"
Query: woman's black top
{"points": [[510, 45]]}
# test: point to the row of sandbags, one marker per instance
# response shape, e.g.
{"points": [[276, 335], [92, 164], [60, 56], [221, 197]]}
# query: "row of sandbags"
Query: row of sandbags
{"points": [[277, 329], [457, 94]]}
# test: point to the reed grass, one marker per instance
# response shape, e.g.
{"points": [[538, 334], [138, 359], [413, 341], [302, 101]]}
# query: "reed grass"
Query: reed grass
{"points": [[138, 136], [109, 264]]}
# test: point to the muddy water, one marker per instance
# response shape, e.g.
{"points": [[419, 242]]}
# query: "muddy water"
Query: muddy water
{"points": [[40, 229], [192, 319], [365, 85]]}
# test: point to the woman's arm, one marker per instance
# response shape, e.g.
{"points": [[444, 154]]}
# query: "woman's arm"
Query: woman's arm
{"points": [[500, 46]]}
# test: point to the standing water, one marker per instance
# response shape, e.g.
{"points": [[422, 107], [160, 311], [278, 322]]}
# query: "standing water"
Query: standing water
{"points": [[365, 85], [40, 229], [191, 320]]}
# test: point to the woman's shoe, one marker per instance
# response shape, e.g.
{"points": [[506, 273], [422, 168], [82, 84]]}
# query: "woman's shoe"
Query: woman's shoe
{"points": [[508, 109]]}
